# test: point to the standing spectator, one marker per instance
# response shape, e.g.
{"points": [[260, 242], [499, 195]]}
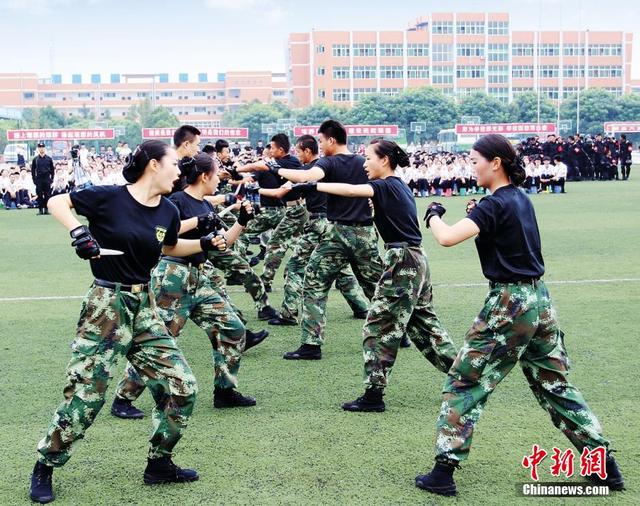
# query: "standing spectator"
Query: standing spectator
{"points": [[22, 162], [625, 150], [42, 171], [236, 149]]}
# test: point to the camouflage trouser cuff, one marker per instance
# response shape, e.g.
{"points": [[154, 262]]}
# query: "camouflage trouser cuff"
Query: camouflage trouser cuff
{"points": [[46, 462], [448, 461], [158, 453]]}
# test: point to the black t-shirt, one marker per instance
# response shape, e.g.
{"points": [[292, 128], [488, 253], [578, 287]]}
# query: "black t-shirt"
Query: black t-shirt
{"points": [[189, 207], [118, 221], [345, 169], [268, 180], [316, 201], [509, 240], [396, 215]]}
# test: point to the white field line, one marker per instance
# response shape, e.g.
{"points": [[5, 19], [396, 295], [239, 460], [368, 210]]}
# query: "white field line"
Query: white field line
{"points": [[437, 285]]}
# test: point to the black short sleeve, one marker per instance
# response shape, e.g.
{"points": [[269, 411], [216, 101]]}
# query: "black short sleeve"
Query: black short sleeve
{"points": [[485, 215], [171, 237], [91, 201], [326, 166]]}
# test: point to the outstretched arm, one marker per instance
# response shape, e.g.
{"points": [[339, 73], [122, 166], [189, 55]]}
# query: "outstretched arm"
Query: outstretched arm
{"points": [[346, 190]]}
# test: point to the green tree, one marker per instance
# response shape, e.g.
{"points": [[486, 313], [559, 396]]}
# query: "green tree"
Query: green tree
{"points": [[424, 104], [85, 112], [596, 107], [253, 115], [317, 113], [629, 105], [371, 110], [30, 118], [490, 109], [49, 117], [161, 117], [524, 109], [4, 126]]}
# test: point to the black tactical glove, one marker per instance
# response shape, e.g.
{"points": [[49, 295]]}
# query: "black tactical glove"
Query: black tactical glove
{"points": [[245, 215], [434, 209], [205, 242], [274, 168], [84, 243], [207, 222]]}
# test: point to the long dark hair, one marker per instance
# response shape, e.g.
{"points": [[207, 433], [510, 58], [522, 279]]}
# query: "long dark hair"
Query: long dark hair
{"points": [[396, 155], [138, 160], [492, 146]]}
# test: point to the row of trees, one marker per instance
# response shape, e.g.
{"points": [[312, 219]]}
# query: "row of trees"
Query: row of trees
{"points": [[426, 104]]}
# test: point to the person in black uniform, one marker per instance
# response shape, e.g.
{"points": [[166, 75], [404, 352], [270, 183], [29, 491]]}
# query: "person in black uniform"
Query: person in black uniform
{"points": [[517, 323], [42, 171], [625, 151], [119, 316]]}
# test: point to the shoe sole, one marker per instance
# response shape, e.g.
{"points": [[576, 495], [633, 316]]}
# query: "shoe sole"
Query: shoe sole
{"points": [[44, 500], [152, 481], [298, 357], [265, 318], [234, 406], [127, 417], [280, 323], [446, 491], [364, 410]]}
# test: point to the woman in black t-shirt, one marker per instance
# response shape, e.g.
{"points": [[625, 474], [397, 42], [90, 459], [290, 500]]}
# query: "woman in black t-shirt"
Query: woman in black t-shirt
{"points": [[517, 323], [184, 289], [402, 302], [119, 315]]}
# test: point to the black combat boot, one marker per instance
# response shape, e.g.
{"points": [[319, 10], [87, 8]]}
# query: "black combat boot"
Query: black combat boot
{"points": [[163, 470], [267, 313], [360, 315], [614, 478], [230, 398], [406, 342], [440, 479], [283, 320], [305, 352], [255, 338], [41, 489], [122, 408], [371, 401]]}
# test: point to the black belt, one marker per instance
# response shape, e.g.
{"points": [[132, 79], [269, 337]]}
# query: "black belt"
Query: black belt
{"points": [[182, 261], [529, 281], [366, 223], [391, 245], [142, 287], [315, 216]]}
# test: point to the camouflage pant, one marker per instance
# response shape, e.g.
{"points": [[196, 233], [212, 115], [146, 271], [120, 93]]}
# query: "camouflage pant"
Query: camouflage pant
{"points": [[183, 293], [312, 234], [517, 322], [229, 261], [218, 282], [114, 323], [268, 218], [402, 305], [289, 229], [342, 245]]}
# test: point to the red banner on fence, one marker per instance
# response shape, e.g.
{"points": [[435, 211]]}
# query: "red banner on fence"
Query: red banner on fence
{"points": [[357, 130], [60, 134], [622, 126], [506, 128], [205, 133]]}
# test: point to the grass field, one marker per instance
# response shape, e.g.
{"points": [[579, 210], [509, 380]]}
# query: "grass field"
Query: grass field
{"points": [[297, 446]]}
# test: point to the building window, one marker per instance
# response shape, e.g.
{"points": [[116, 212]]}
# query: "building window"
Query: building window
{"points": [[142, 94], [183, 77], [279, 93], [498, 28], [320, 49], [391, 72], [442, 75], [470, 50], [109, 94], [418, 72], [447, 92], [76, 79], [470, 72], [341, 95], [498, 52], [164, 78], [573, 71], [547, 71], [339, 50], [465, 92], [364, 72], [470, 27], [199, 93], [551, 93], [605, 71], [390, 91], [501, 94], [498, 74], [358, 93], [442, 52], [442, 27], [520, 91], [391, 50], [616, 92], [364, 50], [417, 49], [321, 93], [166, 94], [28, 95], [200, 109], [568, 91], [605, 49], [56, 78], [573, 49], [202, 78], [234, 93], [341, 73], [95, 78], [549, 50], [321, 71], [522, 50], [49, 95], [522, 71], [84, 94]]}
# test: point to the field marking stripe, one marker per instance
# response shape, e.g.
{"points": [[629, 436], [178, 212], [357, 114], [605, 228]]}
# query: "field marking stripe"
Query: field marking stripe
{"points": [[436, 285]]}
